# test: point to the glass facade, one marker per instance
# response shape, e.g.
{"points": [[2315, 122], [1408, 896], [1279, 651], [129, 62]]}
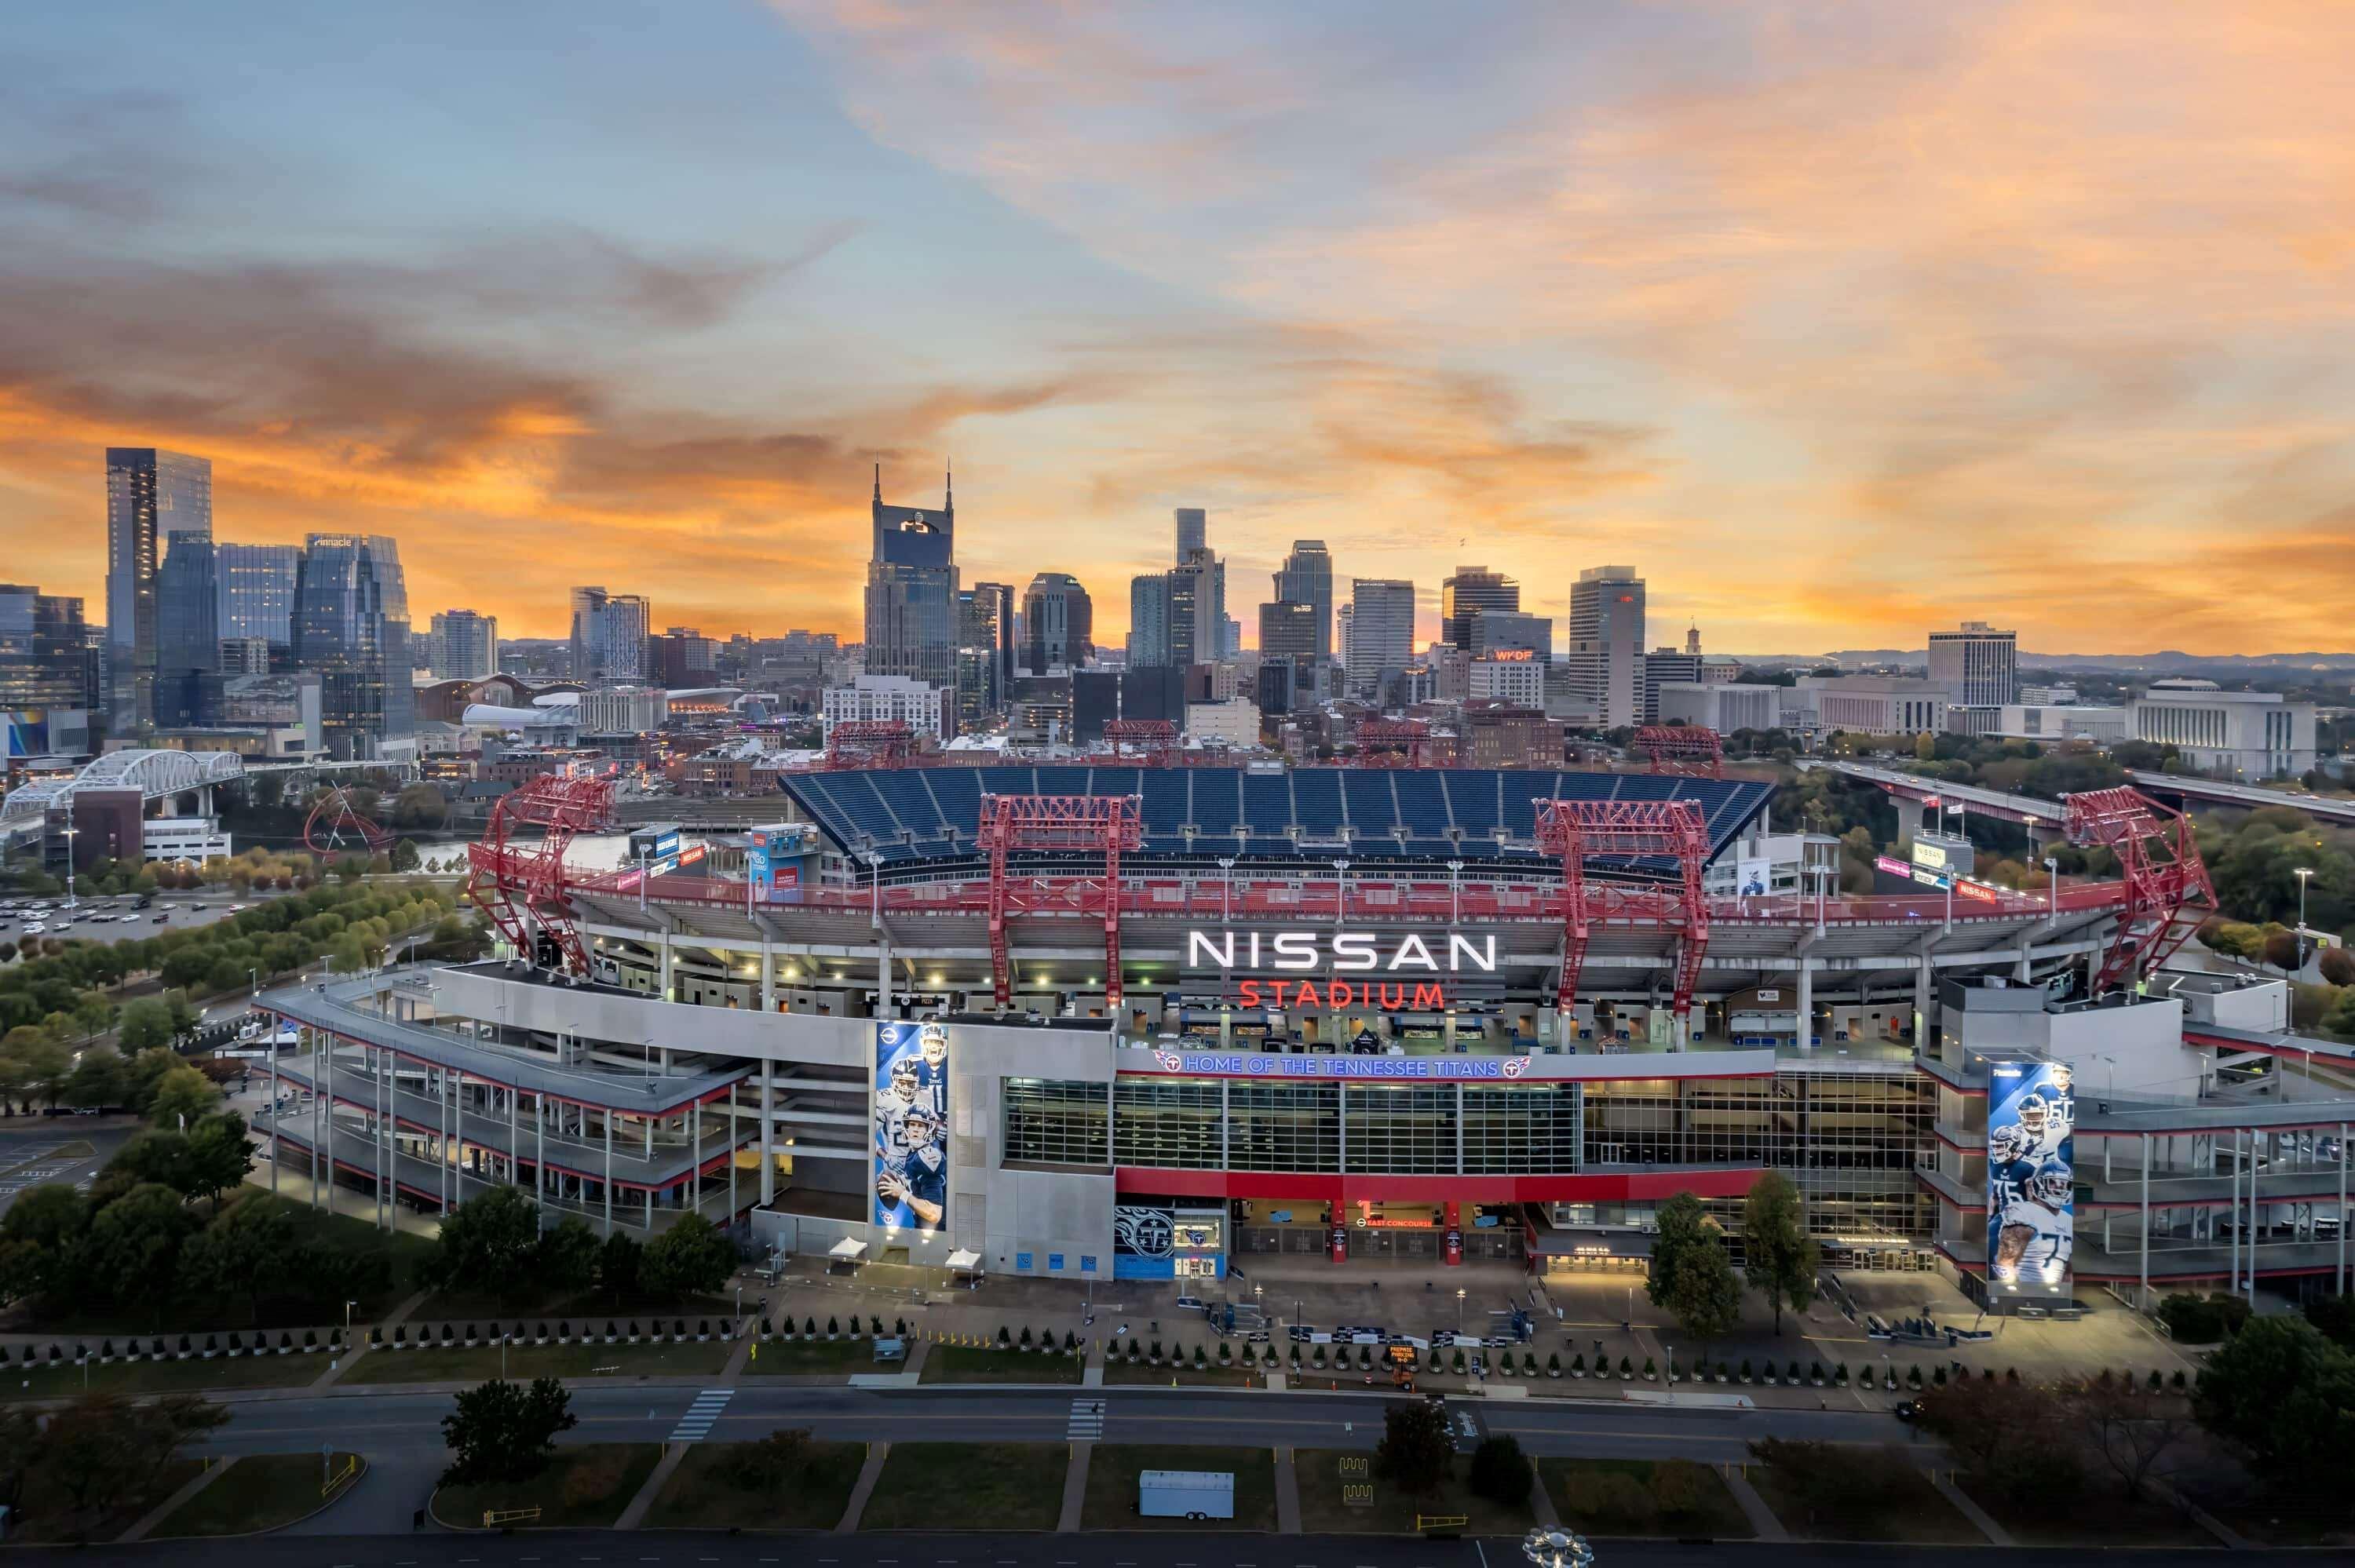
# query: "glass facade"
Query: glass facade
{"points": [[911, 593], [257, 591], [1408, 1131], [1173, 1123], [187, 690], [152, 496], [1051, 1121], [46, 667], [1531, 1130], [351, 626], [1283, 1126]]}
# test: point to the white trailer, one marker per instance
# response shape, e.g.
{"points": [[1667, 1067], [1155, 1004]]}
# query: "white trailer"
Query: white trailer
{"points": [[1186, 1494]]}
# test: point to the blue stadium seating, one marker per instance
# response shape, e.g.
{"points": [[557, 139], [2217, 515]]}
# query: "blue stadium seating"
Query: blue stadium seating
{"points": [[907, 815]]}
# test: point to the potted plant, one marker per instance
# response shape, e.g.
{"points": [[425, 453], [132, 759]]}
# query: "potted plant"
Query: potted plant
{"points": [[184, 1352], [1816, 1373], [809, 1327], [703, 1330], [1626, 1370], [1199, 1358], [1225, 1353], [1455, 1360], [310, 1340], [1651, 1375], [1577, 1364], [1553, 1364]]}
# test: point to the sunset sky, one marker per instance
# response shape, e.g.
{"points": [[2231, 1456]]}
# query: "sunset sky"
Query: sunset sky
{"points": [[1839, 321]]}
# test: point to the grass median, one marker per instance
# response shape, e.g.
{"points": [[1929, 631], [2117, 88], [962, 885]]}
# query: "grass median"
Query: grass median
{"points": [[1389, 1509], [66, 1380], [707, 1493], [816, 1358], [259, 1492], [47, 1513], [583, 1488], [1643, 1496], [965, 1485], [525, 1362], [970, 1363], [1874, 1494], [1113, 1470]]}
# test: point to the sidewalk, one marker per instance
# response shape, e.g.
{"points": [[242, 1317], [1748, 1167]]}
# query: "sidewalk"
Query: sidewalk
{"points": [[869, 1474], [163, 1511]]}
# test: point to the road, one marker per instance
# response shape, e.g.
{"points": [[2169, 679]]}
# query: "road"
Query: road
{"points": [[1125, 1549]]}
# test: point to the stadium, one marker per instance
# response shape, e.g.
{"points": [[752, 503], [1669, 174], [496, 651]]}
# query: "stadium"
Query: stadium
{"points": [[1113, 1021]]}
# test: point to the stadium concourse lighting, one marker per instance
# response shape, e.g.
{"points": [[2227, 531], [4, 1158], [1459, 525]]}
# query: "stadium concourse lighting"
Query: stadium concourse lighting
{"points": [[1454, 904], [1557, 1548], [2302, 873], [1226, 888]]}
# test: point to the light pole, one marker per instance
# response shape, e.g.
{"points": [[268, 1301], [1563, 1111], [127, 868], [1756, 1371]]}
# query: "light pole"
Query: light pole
{"points": [[1455, 895], [641, 879], [1341, 889], [1459, 1312], [71, 833], [1226, 889], [2304, 871], [2052, 899]]}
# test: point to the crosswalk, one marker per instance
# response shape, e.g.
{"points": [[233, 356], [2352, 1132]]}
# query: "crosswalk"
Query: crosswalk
{"points": [[697, 1423], [1086, 1425]]}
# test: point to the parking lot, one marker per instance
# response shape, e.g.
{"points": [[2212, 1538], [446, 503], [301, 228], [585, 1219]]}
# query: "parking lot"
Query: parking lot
{"points": [[48, 1150], [115, 919]]}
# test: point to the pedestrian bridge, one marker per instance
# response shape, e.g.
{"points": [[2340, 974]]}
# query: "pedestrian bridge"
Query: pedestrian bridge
{"points": [[157, 775]]}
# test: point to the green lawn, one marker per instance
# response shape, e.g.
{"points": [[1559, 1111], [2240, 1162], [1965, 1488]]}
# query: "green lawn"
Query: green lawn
{"points": [[1189, 1376], [482, 1363], [2097, 1514], [1114, 1468], [965, 1363], [260, 1491], [1623, 1497], [45, 1515], [583, 1310], [1322, 1511], [164, 1377], [583, 1488], [964, 1486], [815, 1358], [1898, 1503], [699, 1494]]}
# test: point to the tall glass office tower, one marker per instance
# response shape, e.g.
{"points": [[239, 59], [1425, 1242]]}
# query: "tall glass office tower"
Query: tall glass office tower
{"points": [[911, 591], [187, 690], [257, 592], [150, 495], [351, 627]]}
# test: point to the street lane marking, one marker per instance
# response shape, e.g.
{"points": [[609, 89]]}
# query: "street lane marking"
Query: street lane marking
{"points": [[695, 1424]]}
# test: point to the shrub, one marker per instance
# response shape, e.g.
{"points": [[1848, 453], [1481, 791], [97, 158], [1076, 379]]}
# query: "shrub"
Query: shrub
{"points": [[1499, 1471], [592, 1480], [834, 1329], [1650, 1372], [1677, 1486], [1456, 1361], [1745, 1368], [1626, 1369], [1577, 1364], [1199, 1359], [1026, 1336], [1553, 1365]]}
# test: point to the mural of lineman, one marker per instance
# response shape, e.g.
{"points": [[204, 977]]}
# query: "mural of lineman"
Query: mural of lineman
{"points": [[2031, 1221], [911, 1149]]}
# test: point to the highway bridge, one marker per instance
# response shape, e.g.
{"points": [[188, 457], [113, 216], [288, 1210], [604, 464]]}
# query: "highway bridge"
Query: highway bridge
{"points": [[157, 775], [2222, 792]]}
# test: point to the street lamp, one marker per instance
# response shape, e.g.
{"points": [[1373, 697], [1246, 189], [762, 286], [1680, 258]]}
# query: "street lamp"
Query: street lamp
{"points": [[2052, 900], [1341, 889], [1226, 889], [642, 878], [71, 833], [1459, 1312], [2303, 872], [1454, 904], [1557, 1547]]}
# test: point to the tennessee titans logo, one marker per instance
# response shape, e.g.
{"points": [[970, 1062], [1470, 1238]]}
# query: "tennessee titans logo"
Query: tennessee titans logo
{"points": [[1146, 1233], [1514, 1067], [1170, 1061]]}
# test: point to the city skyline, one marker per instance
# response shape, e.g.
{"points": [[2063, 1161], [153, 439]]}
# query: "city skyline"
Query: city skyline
{"points": [[1831, 331]]}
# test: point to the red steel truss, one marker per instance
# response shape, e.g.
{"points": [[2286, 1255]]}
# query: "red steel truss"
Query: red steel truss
{"points": [[334, 823], [1578, 831], [520, 885], [2159, 863], [1083, 824], [1693, 751], [1381, 741], [1154, 740], [869, 742]]}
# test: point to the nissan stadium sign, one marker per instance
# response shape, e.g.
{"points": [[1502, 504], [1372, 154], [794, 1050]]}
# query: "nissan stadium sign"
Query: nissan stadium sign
{"points": [[1358, 968], [1270, 1064]]}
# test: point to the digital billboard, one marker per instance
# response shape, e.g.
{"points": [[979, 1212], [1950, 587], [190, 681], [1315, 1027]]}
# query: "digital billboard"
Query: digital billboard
{"points": [[912, 1125], [2031, 1147]]}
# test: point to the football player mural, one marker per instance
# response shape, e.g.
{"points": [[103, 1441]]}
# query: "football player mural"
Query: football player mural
{"points": [[2032, 1117], [911, 1131]]}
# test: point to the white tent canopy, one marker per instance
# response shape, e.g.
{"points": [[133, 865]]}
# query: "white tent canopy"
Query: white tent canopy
{"points": [[964, 1259], [848, 1249]]}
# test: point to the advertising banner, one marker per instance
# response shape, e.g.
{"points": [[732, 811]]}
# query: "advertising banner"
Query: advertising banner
{"points": [[912, 1125], [2032, 1147], [1752, 876]]}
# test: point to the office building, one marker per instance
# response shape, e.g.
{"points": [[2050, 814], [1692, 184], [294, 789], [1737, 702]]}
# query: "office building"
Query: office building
{"points": [[1057, 624], [2230, 734], [1095, 703], [351, 628], [1153, 692], [1233, 723], [150, 495], [1193, 532], [1381, 633], [48, 673], [1978, 665], [1288, 637], [187, 684], [1517, 682], [1665, 666], [1306, 577], [1472, 589], [1197, 610], [682, 659], [244, 656], [2063, 722], [609, 636], [1874, 704], [911, 588], [1500, 631], [980, 681], [624, 710], [465, 646], [1606, 644], [878, 699], [257, 591], [1724, 706], [1149, 619]]}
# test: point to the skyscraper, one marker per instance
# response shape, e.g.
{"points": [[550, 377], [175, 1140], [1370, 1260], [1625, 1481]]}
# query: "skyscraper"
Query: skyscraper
{"points": [[1306, 577], [1193, 531], [465, 646], [1381, 632], [980, 673], [1606, 644], [351, 627], [1197, 610], [609, 636], [150, 495], [1472, 589], [1978, 665], [48, 672], [257, 591], [1148, 620], [188, 687], [1288, 664], [1057, 624], [911, 588]]}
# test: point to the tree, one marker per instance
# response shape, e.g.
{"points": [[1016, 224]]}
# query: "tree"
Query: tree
{"points": [[506, 1431], [1500, 1472], [404, 854], [2014, 1437], [2281, 949], [219, 1155], [131, 1252], [2338, 966], [1692, 1274], [617, 1266], [249, 1253], [184, 1096], [2129, 1428], [2334, 1318], [693, 1255], [2282, 1393], [565, 1260], [143, 1023], [155, 1155], [99, 1079], [487, 1243], [102, 1449], [1417, 1447], [771, 1464], [1777, 1257]]}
